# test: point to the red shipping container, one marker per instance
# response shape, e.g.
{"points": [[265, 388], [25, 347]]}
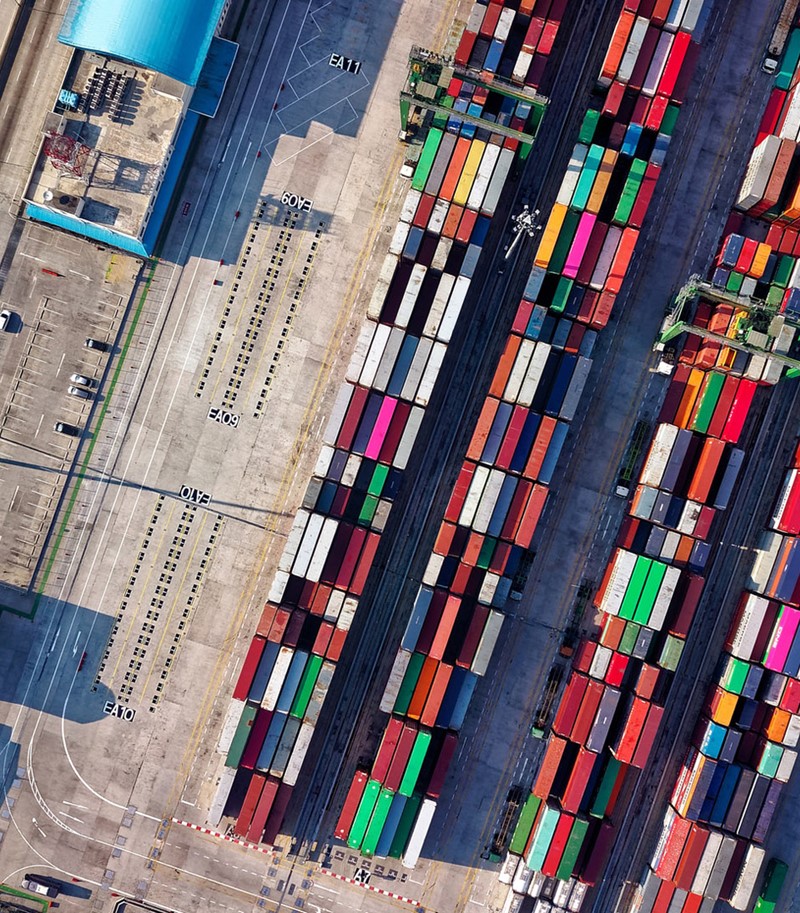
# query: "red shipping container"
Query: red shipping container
{"points": [[690, 860], [614, 98], [323, 638], [578, 780], [603, 309], [472, 639], [549, 33], [531, 516], [660, 11], [625, 746], [620, 263], [615, 674], [645, 195], [391, 736], [249, 667], [588, 304], [279, 625], [704, 521], [790, 699], [570, 704], [584, 655], [351, 804], [522, 316], [547, 772], [647, 681], [459, 495], [490, 19], [249, 805], [262, 811], [585, 718], [347, 567], [365, 563], [706, 471], [595, 244], [674, 64], [321, 596], [336, 645], [466, 225], [648, 736], [352, 417], [267, 617], [663, 897], [424, 210], [692, 903], [723, 407], [640, 110], [676, 841], [442, 765], [463, 52], [531, 38], [768, 124], [473, 548], [401, 755], [656, 112], [557, 844], [517, 508], [512, 436], [739, 411], [308, 594], [500, 557]]}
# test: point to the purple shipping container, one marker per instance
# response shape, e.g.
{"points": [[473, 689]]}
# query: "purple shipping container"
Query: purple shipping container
{"points": [[791, 574], [677, 457], [767, 812], [739, 800], [755, 803]]}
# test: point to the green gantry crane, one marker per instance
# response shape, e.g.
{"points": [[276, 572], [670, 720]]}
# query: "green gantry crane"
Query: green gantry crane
{"points": [[429, 75], [754, 335]]}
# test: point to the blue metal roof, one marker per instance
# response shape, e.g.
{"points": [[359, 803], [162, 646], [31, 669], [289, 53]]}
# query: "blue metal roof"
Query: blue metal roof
{"points": [[171, 38]]}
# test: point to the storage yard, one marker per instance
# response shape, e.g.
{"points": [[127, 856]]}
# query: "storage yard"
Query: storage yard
{"points": [[440, 546]]}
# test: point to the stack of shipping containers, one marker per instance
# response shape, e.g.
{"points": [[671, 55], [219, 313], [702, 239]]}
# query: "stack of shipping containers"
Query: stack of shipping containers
{"points": [[412, 315], [501, 491]]}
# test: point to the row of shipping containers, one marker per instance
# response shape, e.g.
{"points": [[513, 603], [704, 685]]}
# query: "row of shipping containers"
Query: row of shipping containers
{"points": [[483, 543], [314, 597]]}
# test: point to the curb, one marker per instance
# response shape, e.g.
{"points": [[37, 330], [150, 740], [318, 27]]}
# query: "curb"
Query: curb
{"points": [[371, 888]]}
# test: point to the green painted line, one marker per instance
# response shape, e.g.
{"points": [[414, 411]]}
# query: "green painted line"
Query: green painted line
{"points": [[7, 889], [80, 475]]}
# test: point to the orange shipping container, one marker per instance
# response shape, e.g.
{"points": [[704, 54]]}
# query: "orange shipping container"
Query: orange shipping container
{"points": [[445, 628], [483, 428], [776, 728], [723, 706], [530, 518], [549, 768], [444, 539], [601, 181], [619, 41], [612, 632], [451, 221], [706, 471], [684, 550], [539, 449], [421, 692], [550, 235], [453, 172], [436, 696], [473, 548], [684, 412], [505, 366], [622, 260]]}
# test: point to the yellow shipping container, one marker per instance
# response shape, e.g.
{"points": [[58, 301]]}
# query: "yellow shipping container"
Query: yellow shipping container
{"points": [[760, 260], [550, 235], [600, 185], [689, 397], [467, 178]]}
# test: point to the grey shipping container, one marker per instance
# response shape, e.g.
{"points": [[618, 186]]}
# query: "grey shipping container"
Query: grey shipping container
{"points": [[720, 869], [728, 483], [603, 719], [285, 746]]}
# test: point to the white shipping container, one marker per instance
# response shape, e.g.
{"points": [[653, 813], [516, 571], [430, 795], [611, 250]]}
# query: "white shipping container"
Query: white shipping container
{"points": [[706, 864], [689, 517], [784, 340], [293, 540], [416, 369], [419, 833], [658, 455], [519, 370], [373, 355], [408, 438], [410, 295], [410, 205], [766, 553], [791, 123], [521, 67], [382, 286], [755, 367], [439, 304], [606, 258], [748, 877], [453, 309], [438, 215], [577, 896], [334, 605], [575, 389], [759, 169], [671, 542], [537, 882], [321, 549], [675, 14], [669, 817], [298, 754], [441, 253], [572, 174], [792, 735], [744, 638], [657, 64], [360, 352], [692, 15], [350, 470], [562, 892], [229, 725], [218, 803], [522, 877], [486, 645], [345, 619], [431, 374], [488, 500], [312, 493], [277, 678], [399, 238], [786, 765], [475, 18], [324, 461], [666, 592], [480, 185], [432, 569], [319, 693], [396, 676], [381, 516], [600, 662], [479, 480], [624, 562], [307, 545], [504, 24], [388, 359], [634, 46], [534, 374], [338, 413], [278, 586], [498, 182]]}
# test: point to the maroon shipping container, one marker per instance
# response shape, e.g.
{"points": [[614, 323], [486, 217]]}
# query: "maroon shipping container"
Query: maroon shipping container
{"points": [[336, 555], [734, 869], [352, 417], [276, 815], [401, 755], [293, 629], [442, 765], [256, 738], [397, 426], [279, 625], [459, 494], [585, 718], [691, 599], [249, 667], [674, 395], [570, 704], [383, 759], [547, 772], [350, 560], [594, 862], [472, 639], [645, 58], [432, 619], [578, 780], [365, 563], [648, 736]]}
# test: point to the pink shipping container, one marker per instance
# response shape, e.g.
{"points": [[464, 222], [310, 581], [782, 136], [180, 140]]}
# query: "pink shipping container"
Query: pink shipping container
{"points": [[579, 244], [781, 641], [381, 428]]}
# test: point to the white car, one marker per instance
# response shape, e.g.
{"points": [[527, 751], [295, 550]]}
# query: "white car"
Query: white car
{"points": [[45, 889], [5, 318], [79, 392], [81, 379]]}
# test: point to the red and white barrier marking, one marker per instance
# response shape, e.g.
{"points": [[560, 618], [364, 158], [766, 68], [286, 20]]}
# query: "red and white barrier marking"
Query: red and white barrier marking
{"points": [[369, 887], [226, 837]]}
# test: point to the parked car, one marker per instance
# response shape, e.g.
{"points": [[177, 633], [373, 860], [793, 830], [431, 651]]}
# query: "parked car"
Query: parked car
{"points": [[79, 392], [81, 379], [96, 344], [65, 428], [5, 319]]}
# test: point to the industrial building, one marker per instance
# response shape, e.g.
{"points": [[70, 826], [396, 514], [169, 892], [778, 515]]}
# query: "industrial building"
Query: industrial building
{"points": [[141, 77]]}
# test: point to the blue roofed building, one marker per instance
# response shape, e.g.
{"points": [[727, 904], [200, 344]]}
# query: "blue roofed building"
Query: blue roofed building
{"points": [[142, 75]]}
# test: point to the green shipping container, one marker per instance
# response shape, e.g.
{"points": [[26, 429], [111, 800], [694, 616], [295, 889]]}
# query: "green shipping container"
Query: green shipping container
{"points": [[440, 118], [606, 787], [368, 509], [671, 653], [378, 480], [734, 282], [373, 834], [426, 158], [306, 686], [418, 752], [708, 402], [783, 271], [240, 736], [542, 838], [364, 813], [650, 593], [586, 180], [574, 843], [635, 586], [630, 191], [629, 636], [562, 293], [775, 295], [670, 119], [408, 684], [791, 57], [565, 238], [486, 552], [588, 127], [403, 831], [735, 675], [768, 766], [523, 829]]}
